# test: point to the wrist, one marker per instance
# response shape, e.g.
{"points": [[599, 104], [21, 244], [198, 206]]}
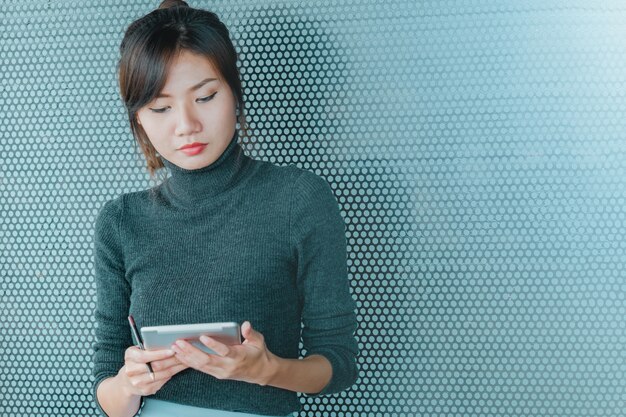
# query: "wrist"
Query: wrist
{"points": [[273, 366], [121, 382]]}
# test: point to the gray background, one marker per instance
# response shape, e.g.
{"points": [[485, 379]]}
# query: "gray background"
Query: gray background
{"points": [[477, 150]]}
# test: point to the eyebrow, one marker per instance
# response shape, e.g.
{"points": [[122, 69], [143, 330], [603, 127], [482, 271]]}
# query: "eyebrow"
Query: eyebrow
{"points": [[192, 88]]}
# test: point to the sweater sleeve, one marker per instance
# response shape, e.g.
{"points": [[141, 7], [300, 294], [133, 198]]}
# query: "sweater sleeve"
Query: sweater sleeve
{"points": [[328, 309], [113, 334]]}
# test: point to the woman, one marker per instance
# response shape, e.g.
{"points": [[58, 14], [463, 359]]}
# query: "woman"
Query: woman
{"points": [[224, 238]]}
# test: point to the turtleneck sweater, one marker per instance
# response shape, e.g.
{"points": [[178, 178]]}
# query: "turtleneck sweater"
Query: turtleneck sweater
{"points": [[239, 239]]}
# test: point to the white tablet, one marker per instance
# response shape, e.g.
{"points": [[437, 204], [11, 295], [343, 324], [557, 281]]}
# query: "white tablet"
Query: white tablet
{"points": [[163, 337]]}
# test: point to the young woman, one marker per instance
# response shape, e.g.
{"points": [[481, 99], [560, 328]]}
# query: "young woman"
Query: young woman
{"points": [[224, 238]]}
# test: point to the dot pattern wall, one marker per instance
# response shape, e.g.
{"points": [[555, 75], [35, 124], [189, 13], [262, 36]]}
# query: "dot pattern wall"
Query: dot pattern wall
{"points": [[477, 150]]}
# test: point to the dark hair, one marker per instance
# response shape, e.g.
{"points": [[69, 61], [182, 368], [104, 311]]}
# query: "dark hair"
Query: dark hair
{"points": [[150, 45]]}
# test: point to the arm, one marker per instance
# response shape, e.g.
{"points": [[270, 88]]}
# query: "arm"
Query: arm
{"points": [[115, 400], [329, 321], [113, 300], [308, 375]]}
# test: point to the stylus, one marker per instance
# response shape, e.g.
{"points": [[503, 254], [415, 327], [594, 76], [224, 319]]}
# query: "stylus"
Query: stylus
{"points": [[133, 327]]}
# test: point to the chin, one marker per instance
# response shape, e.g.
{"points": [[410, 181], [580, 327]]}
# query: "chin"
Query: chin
{"points": [[196, 163]]}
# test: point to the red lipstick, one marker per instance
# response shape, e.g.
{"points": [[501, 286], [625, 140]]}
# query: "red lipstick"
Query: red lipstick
{"points": [[191, 145], [193, 148]]}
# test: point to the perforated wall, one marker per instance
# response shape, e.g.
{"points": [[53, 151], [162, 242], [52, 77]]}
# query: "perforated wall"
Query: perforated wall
{"points": [[477, 150]]}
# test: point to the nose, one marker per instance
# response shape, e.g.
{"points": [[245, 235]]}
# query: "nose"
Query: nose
{"points": [[187, 122]]}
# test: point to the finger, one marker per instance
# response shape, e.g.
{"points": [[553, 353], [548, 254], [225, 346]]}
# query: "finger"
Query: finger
{"points": [[160, 375], [164, 363], [145, 356], [140, 374], [138, 368], [219, 348], [246, 329], [191, 355], [251, 335], [176, 369], [161, 378], [135, 368], [186, 348], [138, 355], [209, 364]]}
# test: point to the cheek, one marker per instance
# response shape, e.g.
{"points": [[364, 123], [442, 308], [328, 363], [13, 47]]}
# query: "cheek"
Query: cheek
{"points": [[158, 133], [226, 114]]}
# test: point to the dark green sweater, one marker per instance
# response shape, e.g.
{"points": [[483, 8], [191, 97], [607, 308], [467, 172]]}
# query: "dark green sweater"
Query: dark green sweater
{"points": [[240, 239]]}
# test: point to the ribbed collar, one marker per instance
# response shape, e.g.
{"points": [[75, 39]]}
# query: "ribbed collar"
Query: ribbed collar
{"points": [[192, 187]]}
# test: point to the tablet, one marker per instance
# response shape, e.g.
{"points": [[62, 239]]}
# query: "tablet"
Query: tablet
{"points": [[163, 337]]}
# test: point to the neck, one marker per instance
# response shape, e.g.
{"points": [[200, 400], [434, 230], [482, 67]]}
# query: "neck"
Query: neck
{"points": [[192, 187]]}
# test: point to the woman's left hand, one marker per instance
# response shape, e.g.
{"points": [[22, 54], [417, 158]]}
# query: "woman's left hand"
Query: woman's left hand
{"points": [[249, 362]]}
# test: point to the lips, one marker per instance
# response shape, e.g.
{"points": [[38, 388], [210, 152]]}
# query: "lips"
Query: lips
{"points": [[193, 150], [192, 145]]}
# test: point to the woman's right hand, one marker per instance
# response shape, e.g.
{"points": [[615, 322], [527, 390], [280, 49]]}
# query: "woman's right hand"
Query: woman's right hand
{"points": [[135, 375]]}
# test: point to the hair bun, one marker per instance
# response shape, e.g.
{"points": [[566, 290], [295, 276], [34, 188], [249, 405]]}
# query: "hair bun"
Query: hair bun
{"points": [[166, 4]]}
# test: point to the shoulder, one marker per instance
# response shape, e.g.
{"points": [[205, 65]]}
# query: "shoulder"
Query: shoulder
{"points": [[308, 182], [271, 172], [110, 210], [124, 204], [315, 214], [133, 202], [300, 188], [279, 179], [107, 223], [312, 198], [298, 179], [309, 188], [300, 182], [118, 204]]}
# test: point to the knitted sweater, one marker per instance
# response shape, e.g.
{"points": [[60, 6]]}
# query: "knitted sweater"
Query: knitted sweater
{"points": [[239, 239]]}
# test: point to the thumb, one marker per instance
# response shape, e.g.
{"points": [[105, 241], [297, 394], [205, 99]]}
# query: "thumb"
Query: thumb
{"points": [[251, 335]]}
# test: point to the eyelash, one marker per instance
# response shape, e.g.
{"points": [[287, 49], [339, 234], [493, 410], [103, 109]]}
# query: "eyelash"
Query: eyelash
{"points": [[202, 100]]}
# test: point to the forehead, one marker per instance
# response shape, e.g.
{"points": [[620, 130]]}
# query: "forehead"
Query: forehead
{"points": [[187, 69]]}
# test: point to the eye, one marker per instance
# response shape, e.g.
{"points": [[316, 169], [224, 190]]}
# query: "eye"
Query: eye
{"points": [[201, 100], [207, 98]]}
